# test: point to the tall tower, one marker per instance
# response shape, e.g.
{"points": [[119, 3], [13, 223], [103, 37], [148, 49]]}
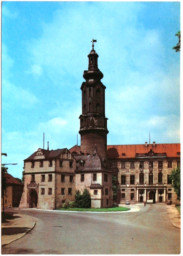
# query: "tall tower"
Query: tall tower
{"points": [[93, 123]]}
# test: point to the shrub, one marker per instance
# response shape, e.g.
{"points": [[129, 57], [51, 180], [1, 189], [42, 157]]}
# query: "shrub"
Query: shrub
{"points": [[82, 201]]}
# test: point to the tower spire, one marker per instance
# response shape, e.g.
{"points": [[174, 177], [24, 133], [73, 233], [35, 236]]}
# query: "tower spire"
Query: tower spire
{"points": [[93, 41]]}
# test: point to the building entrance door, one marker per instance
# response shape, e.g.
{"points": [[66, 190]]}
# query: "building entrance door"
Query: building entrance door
{"points": [[33, 198], [152, 196]]}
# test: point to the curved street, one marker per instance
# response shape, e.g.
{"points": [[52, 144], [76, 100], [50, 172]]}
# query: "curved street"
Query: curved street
{"points": [[148, 231]]}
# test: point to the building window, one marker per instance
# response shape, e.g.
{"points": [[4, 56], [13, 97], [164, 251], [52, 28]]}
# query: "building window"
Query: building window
{"points": [[82, 177], [106, 191], [62, 191], [160, 191], [169, 181], [94, 177], [49, 191], [105, 177], [150, 178], [132, 165], [33, 177], [169, 164], [141, 191], [141, 178], [132, 179], [132, 196], [123, 189], [69, 191], [41, 164], [122, 165], [70, 164], [62, 178], [32, 164], [123, 179], [42, 178], [50, 177], [107, 201], [123, 195], [169, 196], [42, 191], [151, 164], [142, 165], [71, 178], [160, 164], [61, 163], [160, 178], [50, 163], [95, 192]]}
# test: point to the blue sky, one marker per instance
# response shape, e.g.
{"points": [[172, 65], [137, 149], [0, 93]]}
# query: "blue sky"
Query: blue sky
{"points": [[44, 53]]}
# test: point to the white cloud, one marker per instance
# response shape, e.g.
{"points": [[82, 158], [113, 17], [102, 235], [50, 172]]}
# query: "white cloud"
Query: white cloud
{"points": [[36, 70], [7, 13], [12, 94]]}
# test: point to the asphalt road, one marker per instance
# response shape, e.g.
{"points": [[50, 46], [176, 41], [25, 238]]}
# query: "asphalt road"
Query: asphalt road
{"points": [[148, 231]]}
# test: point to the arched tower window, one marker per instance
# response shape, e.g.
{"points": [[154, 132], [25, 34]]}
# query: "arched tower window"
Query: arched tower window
{"points": [[90, 107], [97, 107], [98, 93]]}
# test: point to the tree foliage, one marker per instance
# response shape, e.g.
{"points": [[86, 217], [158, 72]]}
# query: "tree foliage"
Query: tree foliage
{"points": [[115, 187], [177, 47], [175, 178], [82, 200]]}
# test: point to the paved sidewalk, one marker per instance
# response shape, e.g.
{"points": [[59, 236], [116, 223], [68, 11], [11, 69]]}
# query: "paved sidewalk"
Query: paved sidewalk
{"points": [[174, 216], [16, 228]]}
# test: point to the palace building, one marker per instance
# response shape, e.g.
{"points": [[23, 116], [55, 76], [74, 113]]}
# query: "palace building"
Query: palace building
{"points": [[51, 177]]}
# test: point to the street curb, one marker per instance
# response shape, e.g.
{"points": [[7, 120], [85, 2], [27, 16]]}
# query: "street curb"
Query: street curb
{"points": [[23, 234]]}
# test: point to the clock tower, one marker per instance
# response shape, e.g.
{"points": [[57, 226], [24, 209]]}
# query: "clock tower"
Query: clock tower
{"points": [[93, 123]]}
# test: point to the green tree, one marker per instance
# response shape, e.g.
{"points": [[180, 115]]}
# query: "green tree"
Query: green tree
{"points": [[3, 183], [175, 178], [177, 47], [115, 187], [82, 200]]}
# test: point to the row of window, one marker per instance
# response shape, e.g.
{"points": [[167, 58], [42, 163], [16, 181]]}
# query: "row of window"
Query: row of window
{"points": [[141, 197], [71, 177], [94, 177], [50, 163], [141, 179], [106, 192], [43, 191], [64, 189], [141, 165]]}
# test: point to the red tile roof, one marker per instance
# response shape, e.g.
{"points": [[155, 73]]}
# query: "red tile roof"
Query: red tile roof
{"points": [[130, 151], [10, 180]]}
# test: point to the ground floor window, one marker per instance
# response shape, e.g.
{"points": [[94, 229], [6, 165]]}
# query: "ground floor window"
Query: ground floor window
{"points": [[69, 191], [95, 192], [62, 191], [169, 196], [132, 196], [49, 191], [123, 195], [42, 191], [106, 191]]}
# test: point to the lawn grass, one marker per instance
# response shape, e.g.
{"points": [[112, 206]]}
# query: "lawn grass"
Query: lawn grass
{"points": [[178, 208], [113, 209]]}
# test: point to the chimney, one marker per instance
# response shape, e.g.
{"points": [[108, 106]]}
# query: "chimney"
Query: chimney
{"points": [[154, 144], [47, 145], [146, 144]]}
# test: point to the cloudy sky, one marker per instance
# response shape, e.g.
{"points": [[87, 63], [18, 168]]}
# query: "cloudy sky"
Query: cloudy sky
{"points": [[44, 53]]}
